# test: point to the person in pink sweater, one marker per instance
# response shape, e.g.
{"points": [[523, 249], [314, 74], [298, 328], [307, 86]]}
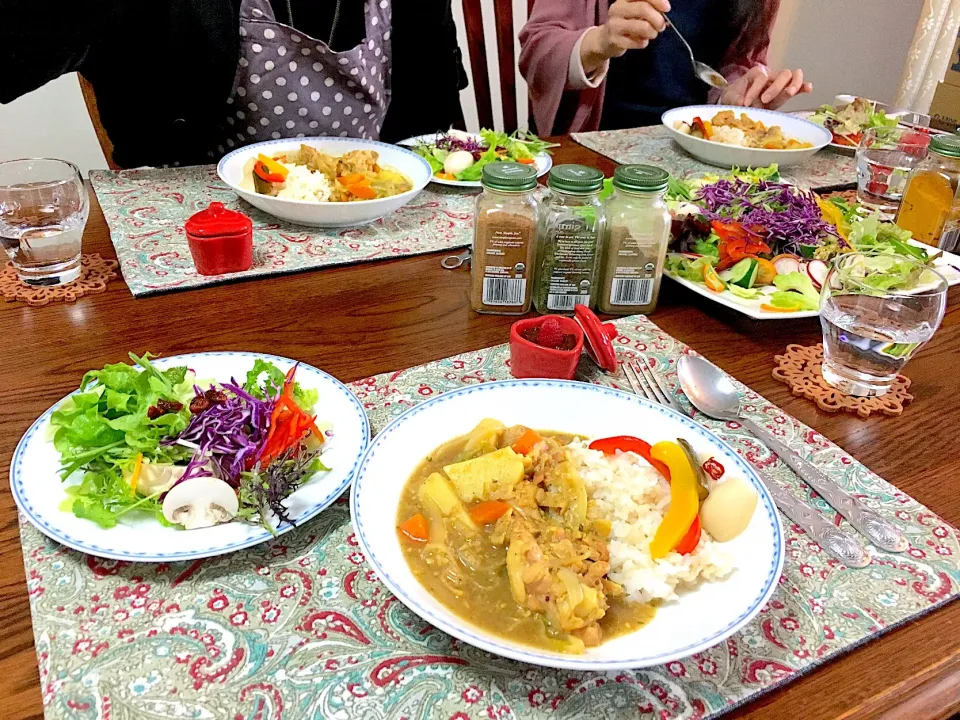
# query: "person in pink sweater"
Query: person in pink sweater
{"points": [[608, 64]]}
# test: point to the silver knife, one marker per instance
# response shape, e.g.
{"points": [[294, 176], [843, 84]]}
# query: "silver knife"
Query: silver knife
{"points": [[883, 534]]}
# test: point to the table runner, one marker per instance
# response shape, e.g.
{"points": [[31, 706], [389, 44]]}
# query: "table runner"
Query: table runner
{"points": [[146, 209], [654, 145], [301, 627]]}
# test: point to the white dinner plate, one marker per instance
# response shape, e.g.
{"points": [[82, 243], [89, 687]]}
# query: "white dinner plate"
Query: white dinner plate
{"points": [[702, 617], [543, 161], [325, 214], [947, 265], [729, 156], [38, 490]]}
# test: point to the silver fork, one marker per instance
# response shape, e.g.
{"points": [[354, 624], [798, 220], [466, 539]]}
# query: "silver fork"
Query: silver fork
{"points": [[647, 384]]}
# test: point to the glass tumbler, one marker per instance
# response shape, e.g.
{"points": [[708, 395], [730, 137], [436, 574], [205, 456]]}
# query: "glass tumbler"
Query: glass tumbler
{"points": [[43, 210], [885, 158], [876, 311]]}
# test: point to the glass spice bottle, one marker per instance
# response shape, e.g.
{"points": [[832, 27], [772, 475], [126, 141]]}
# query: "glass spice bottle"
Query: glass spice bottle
{"points": [[930, 208], [504, 239], [568, 239], [635, 245]]}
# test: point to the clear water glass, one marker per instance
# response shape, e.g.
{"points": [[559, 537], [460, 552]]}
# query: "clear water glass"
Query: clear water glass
{"points": [[885, 158], [870, 333], [43, 210]]}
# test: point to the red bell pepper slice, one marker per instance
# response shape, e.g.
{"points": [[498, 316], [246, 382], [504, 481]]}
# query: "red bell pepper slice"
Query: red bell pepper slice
{"points": [[627, 443], [260, 169], [688, 543]]}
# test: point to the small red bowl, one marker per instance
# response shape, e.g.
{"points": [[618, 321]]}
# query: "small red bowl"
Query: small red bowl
{"points": [[529, 360], [220, 240]]}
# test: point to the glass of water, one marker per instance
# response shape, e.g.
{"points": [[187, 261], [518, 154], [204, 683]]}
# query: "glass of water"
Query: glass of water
{"points": [[43, 210], [876, 311], [885, 158]]}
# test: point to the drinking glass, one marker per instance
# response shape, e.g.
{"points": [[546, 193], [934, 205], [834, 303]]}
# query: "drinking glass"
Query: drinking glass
{"points": [[43, 209], [876, 311], [885, 158]]}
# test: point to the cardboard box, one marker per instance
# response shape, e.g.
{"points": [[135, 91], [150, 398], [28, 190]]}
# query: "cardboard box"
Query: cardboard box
{"points": [[953, 69], [945, 108]]}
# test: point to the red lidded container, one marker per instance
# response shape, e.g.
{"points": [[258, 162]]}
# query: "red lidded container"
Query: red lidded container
{"points": [[221, 240], [530, 360]]}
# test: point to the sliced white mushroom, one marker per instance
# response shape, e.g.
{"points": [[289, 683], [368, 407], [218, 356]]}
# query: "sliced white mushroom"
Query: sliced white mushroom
{"points": [[157, 477], [200, 502]]}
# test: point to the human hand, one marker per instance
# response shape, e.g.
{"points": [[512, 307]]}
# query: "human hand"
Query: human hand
{"points": [[631, 25], [757, 88]]}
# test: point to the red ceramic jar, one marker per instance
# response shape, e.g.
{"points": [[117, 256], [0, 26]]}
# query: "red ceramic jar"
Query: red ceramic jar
{"points": [[221, 240], [529, 360]]}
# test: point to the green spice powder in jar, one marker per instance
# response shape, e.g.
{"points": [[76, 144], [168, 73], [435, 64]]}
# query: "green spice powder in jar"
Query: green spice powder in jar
{"points": [[568, 240], [638, 229], [504, 239]]}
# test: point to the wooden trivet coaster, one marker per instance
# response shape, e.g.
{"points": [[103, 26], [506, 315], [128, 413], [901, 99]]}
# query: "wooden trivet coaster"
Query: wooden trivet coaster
{"points": [[95, 273], [799, 367]]}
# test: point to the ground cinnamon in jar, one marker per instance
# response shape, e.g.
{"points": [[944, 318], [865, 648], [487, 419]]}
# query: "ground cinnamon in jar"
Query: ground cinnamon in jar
{"points": [[504, 240]]}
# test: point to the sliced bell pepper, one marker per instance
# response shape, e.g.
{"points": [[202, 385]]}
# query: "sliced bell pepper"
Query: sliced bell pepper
{"points": [[704, 126], [273, 166], [135, 475], [712, 280], [684, 501], [774, 308], [690, 541], [264, 173], [627, 443], [415, 528], [766, 272]]}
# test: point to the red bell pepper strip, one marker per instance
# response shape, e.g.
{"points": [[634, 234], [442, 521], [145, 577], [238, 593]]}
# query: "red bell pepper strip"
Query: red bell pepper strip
{"points": [[688, 543], [260, 169], [627, 443]]}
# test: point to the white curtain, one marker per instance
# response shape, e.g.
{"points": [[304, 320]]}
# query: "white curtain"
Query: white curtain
{"points": [[930, 54]]}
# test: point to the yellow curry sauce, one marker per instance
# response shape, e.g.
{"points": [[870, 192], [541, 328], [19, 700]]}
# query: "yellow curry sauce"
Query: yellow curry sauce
{"points": [[509, 542]]}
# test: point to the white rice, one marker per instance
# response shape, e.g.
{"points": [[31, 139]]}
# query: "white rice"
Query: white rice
{"points": [[631, 494], [729, 135], [302, 183]]}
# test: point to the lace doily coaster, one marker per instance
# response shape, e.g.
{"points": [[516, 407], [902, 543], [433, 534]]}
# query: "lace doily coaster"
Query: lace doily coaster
{"points": [[95, 273], [799, 367]]}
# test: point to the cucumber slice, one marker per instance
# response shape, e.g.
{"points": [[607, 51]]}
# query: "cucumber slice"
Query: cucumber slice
{"points": [[744, 273], [746, 294]]}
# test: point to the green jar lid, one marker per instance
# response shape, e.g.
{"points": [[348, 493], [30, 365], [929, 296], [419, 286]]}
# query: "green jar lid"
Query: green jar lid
{"points": [[509, 176], [948, 145], [640, 178], [576, 179]]}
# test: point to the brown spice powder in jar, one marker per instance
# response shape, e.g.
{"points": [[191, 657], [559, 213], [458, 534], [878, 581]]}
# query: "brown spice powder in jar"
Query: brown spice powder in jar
{"points": [[504, 242]]}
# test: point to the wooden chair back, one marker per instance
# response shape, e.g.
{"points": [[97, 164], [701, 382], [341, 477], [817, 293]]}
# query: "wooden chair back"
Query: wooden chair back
{"points": [[90, 100], [503, 20]]}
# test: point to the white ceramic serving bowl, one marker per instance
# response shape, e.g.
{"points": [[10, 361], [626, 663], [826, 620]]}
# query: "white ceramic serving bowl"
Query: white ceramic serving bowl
{"points": [[728, 156], [326, 214], [39, 492], [699, 619]]}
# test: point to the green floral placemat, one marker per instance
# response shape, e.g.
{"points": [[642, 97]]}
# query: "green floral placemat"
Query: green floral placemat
{"points": [[146, 210], [301, 627], [654, 145]]}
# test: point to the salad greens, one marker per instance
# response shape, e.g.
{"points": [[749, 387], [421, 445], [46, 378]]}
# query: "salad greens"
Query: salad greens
{"points": [[847, 122], [493, 146], [882, 273], [134, 431], [795, 291]]}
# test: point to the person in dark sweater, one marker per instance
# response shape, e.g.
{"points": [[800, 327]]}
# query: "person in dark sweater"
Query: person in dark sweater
{"points": [[184, 81]]}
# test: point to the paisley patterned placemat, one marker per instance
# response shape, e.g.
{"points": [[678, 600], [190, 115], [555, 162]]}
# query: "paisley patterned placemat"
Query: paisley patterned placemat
{"points": [[302, 628], [653, 145], [146, 210]]}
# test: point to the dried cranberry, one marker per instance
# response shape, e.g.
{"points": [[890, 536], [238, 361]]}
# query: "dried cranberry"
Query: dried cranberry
{"points": [[199, 404], [217, 397], [163, 407]]}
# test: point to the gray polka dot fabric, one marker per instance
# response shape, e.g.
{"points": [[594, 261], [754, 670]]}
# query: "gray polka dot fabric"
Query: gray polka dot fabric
{"points": [[291, 85]]}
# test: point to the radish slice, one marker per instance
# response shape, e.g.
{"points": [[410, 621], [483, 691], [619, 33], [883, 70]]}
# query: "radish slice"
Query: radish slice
{"points": [[817, 270], [786, 265]]}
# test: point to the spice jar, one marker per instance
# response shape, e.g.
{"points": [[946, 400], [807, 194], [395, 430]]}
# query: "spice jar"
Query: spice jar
{"points": [[504, 239], [930, 208], [638, 228], [568, 238]]}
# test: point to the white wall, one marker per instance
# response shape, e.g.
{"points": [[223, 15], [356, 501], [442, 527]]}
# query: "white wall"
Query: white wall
{"points": [[51, 122], [843, 46]]}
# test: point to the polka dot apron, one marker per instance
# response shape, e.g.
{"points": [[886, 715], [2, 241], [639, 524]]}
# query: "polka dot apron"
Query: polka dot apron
{"points": [[291, 85]]}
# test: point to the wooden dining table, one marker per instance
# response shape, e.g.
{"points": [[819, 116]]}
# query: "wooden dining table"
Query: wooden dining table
{"points": [[360, 320]]}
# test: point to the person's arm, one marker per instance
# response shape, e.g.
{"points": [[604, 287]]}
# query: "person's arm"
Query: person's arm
{"points": [[40, 40]]}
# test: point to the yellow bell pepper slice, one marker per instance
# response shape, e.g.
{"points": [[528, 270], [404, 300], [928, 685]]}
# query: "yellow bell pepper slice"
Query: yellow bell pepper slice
{"points": [[684, 500], [272, 166], [834, 215], [135, 475]]}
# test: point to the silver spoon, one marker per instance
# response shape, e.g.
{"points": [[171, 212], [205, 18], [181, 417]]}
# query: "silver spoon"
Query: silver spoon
{"points": [[711, 391], [703, 71]]}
